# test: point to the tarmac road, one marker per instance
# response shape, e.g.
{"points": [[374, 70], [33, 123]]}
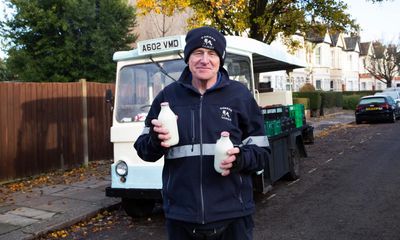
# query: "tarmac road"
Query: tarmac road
{"points": [[349, 189]]}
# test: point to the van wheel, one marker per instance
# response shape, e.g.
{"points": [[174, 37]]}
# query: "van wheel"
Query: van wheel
{"points": [[294, 165], [138, 207]]}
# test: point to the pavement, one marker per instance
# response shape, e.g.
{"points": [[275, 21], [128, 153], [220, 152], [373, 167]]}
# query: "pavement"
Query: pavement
{"points": [[40, 210], [340, 117], [44, 209]]}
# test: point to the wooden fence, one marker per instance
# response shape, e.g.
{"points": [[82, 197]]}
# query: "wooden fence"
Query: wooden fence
{"points": [[48, 126]]}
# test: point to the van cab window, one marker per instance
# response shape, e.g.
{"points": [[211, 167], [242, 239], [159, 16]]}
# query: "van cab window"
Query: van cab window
{"points": [[139, 84], [238, 68]]}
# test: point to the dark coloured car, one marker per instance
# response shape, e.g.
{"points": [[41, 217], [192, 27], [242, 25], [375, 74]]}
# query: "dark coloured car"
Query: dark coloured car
{"points": [[377, 108]]}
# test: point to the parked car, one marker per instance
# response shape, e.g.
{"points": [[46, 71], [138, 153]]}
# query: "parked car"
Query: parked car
{"points": [[392, 89], [377, 108], [390, 92]]}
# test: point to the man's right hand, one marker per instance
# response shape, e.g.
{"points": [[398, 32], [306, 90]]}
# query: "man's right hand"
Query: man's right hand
{"points": [[162, 132]]}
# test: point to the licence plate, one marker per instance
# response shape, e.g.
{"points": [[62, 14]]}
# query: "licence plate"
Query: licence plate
{"points": [[373, 108]]}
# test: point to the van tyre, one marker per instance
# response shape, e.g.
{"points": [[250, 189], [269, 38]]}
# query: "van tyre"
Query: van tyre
{"points": [[138, 207], [294, 165]]}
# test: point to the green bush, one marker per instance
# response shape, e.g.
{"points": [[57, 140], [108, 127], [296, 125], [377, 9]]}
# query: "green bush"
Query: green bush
{"points": [[350, 101], [304, 101], [308, 87], [332, 99], [360, 93], [314, 97]]}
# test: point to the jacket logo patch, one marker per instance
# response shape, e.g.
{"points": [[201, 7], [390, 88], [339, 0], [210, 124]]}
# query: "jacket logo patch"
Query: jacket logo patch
{"points": [[226, 113]]}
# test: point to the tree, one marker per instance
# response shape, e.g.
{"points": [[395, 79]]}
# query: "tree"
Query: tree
{"points": [[384, 63], [3, 71], [264, 19], [166, 8], [66, 40]]}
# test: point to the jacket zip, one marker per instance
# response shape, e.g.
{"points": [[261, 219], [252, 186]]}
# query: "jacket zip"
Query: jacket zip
{"points": [[168, 180], [201, 161], [193, 127], [240, 190]]}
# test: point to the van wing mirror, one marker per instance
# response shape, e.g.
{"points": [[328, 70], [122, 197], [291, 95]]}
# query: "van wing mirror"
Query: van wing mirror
{"points": [[109, 96], [110, 99]]}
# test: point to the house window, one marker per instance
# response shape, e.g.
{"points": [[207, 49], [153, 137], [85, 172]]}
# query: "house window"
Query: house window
{"points": [[350, 84], [318, 55], [266, 78], [350, 62], [363, 86], [318, 84]]}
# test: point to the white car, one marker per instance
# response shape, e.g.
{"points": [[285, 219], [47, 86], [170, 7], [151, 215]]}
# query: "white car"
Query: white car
{"points": [[394, 94], [391, 90]]}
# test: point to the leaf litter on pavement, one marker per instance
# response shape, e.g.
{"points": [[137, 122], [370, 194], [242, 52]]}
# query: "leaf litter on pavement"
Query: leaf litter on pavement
{"points": [[97, 169], [325, 132]]}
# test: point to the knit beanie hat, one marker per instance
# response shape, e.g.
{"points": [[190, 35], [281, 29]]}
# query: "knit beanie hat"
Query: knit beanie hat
{"points": [[205, 37]]}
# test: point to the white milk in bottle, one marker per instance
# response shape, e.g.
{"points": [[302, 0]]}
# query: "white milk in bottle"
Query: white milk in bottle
{"points": [[221, 147], [168, 119]]}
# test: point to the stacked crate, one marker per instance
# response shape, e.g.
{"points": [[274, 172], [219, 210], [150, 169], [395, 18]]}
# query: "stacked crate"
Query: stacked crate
{"points": [[296, 112], [279, 119], [272, 119]]}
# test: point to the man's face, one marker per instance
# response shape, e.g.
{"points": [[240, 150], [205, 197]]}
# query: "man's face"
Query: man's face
{"points": [[204, 64]]}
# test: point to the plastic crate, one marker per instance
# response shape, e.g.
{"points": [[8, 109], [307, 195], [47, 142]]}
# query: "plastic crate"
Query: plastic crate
{"points": [[274, 112], [299, 122], [296, 111], [287, 124], [277, 127], [273, 127]]}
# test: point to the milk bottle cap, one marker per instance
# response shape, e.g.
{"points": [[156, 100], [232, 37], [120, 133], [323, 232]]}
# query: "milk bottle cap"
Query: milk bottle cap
{"points": [[224, 134]]}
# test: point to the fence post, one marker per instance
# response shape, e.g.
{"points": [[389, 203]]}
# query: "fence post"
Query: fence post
{"points": [[85, 123]]}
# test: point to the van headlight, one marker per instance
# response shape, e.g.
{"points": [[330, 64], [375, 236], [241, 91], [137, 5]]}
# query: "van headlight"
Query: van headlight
{"points": [[121, 168]]}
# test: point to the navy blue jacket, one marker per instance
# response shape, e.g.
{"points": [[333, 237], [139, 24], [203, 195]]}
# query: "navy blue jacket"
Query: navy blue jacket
{"points": [[192, 190]]}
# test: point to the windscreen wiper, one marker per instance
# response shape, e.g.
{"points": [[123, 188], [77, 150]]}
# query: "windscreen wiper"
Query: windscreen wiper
{"points": [[162, 69]]}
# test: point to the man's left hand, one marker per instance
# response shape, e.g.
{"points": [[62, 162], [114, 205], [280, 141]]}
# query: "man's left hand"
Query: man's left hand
{"points": [[227, 164]]}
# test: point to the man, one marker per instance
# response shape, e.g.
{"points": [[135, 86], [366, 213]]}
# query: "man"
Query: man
{"points": [[198, 202]]}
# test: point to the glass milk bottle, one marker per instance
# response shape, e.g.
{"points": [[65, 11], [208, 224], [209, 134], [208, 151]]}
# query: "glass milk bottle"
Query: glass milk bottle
{"points": [[221, 147], [168, 119]]}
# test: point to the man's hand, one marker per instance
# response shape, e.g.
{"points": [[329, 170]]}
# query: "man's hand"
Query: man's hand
{"points": [[162, 132], [227, 164]]}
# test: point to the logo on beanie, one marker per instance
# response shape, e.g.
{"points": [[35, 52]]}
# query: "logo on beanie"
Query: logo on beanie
{"points": [[208, 42]]}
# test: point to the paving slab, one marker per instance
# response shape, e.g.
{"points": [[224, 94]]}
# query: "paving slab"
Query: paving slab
{"points": [[6, 208], [32, 213], [62, 205], [16, 235], [6, 227], [91, 183], [81, 194], [16, 219]]}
